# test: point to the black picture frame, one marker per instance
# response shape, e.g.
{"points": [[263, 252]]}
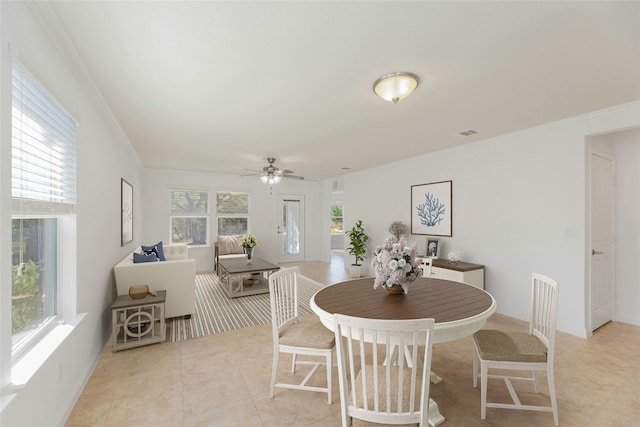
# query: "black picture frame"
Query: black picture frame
{"points": [[126, 212], [431, 209], [432, 247]]}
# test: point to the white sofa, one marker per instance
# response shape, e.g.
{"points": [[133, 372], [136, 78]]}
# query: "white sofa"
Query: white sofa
{"points": [[176, 275]]}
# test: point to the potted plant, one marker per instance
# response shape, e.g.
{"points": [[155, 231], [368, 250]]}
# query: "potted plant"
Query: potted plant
{"points": [[357, 247]]}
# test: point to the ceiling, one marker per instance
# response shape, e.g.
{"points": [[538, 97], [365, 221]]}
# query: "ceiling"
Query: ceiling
{"points": [[220, 86]]}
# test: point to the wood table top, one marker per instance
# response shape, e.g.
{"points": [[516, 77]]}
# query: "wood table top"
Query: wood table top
{"points": [[124, 301], [240, 265], [458, 266], [443, 300]]}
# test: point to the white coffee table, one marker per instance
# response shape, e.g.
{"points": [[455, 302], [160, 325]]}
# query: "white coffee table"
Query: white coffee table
{"points": [[233, 273]]}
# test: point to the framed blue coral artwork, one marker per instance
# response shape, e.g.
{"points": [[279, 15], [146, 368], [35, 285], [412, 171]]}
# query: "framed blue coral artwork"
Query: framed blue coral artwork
{"points": [[431, 209]]}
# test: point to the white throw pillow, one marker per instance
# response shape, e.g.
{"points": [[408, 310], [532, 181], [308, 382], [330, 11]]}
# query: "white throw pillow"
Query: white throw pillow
{"points": [[229, 245]]}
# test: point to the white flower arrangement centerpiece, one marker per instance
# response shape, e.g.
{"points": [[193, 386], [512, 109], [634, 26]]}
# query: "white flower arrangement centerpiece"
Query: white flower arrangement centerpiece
{"points": [[395, 264], [248, 242]]}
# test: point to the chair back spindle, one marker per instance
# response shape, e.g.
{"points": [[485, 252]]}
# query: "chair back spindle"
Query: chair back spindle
{"points": [[284, 299], [544, 301], [427, 265]]}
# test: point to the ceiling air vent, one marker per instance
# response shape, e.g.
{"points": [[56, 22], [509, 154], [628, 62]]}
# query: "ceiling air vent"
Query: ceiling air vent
{"points": [[467, 132]]}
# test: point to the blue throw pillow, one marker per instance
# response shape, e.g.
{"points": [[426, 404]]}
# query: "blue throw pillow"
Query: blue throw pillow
{"points": [[155, 249], [150, 257]]}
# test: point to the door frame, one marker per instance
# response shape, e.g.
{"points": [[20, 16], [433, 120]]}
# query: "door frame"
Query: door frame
{"points": [[301, 255], [589, 241]]}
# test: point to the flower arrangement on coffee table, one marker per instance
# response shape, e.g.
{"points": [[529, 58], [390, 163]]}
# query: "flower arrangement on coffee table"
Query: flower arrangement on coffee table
{"points": [[395, 265], [248, 242]]}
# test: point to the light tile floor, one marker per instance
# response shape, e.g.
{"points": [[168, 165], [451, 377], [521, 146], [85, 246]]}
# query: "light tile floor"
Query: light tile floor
{"points": [[223, 380]]}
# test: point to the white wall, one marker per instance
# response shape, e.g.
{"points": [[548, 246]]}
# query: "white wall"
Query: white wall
{"points": [[104, 156], [518, 207], [263, 210]]}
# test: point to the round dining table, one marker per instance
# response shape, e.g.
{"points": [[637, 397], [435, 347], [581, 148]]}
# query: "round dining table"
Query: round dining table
{"points": [[458, 309]]}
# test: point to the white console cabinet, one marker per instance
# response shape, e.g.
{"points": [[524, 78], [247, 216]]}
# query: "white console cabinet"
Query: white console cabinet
{"points": [[465, 272]]}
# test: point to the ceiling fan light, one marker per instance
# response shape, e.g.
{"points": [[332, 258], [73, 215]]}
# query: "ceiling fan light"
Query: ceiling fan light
{"points": [[396, 86], [272, 175]]}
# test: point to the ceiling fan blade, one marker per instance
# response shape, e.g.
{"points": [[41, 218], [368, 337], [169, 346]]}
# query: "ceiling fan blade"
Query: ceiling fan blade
{"points": [[285, 173], [293, 177]]}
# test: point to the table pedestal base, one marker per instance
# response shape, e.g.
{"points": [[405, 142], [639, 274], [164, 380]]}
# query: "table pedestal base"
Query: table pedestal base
{"points": [[435, 417], [435, 378]]}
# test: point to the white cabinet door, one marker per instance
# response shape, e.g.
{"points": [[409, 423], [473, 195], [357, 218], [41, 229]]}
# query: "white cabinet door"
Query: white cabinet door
{"points": [[470, 277], [446, 274]]}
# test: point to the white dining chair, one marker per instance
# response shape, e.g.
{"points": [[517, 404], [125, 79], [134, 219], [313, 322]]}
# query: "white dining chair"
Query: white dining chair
{"points": [[377, 392], [514, 350], [427, 264], [297, 336]]}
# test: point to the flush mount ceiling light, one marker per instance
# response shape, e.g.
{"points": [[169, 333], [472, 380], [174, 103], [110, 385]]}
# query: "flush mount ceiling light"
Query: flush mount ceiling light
{"points": [[396, 86]]}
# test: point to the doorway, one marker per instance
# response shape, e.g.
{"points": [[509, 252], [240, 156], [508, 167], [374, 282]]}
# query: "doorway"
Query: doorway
{"points": [[602, 229], [291, 234]]}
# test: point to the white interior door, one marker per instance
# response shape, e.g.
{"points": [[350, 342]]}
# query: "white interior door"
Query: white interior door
{"points": [[602, 239], [291, 228]]}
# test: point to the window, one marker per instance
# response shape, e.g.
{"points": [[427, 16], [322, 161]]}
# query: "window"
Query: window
{"points": [[189, 218], [336, 218], [233, 213], [43, 192]]}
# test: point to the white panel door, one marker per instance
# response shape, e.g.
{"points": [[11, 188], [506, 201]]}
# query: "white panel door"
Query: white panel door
{"points": [[290, 228], [602, 240]]}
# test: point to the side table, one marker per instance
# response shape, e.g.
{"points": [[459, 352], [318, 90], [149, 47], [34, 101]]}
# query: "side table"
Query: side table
{"points": [[465, 272], [137, 322]]}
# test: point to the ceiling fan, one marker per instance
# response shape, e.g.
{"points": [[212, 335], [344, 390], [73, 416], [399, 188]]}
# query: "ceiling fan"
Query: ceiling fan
{"points": [[272, 175]]}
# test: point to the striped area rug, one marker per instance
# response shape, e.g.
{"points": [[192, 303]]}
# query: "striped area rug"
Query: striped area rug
{"points": [[215, 312]]}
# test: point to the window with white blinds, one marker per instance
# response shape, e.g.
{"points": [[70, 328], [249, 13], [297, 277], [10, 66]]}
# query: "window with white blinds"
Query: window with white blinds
{"points": [[43, 221], [189, 216], [43, 139]]}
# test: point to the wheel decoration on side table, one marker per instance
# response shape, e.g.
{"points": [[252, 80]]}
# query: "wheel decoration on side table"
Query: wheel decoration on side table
{"points": [[138, 324]]}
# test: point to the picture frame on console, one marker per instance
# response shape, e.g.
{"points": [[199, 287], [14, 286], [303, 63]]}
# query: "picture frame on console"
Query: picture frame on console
{"points": [[431, 209], [432, 248], [126, 212]]}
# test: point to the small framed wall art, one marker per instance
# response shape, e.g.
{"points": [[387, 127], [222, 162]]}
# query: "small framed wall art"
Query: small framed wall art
{"points": [[126, 212], [431, 209]]}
